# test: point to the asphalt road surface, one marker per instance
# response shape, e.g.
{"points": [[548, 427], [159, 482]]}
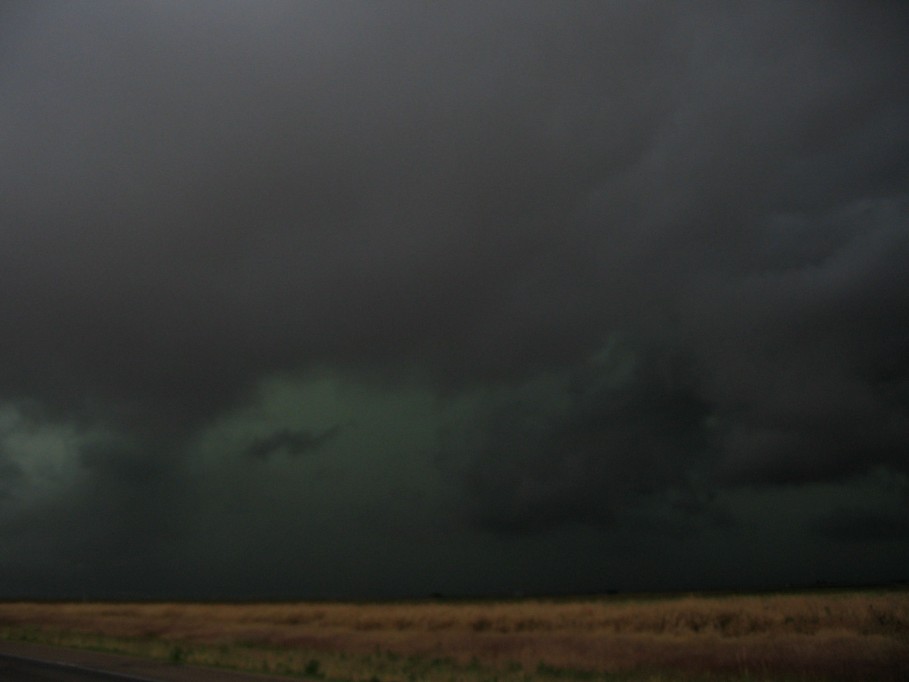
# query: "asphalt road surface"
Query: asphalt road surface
{"points": [[24, 662], [13, 669]]}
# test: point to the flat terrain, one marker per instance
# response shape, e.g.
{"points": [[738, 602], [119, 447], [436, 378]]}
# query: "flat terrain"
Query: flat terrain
{"points": [[811, 636]]}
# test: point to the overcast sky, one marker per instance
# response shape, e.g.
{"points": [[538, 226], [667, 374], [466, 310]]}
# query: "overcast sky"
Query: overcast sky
{"points": [[373, 299]]}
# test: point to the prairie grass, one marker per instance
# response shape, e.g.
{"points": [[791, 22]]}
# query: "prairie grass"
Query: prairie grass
{"points": [[812, 636]]}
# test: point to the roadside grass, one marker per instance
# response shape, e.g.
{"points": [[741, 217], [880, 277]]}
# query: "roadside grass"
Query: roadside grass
{"points": [[809, 637]]}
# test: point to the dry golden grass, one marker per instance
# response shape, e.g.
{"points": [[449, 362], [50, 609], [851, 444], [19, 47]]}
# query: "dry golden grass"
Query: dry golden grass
{"points": [[859, 635]]}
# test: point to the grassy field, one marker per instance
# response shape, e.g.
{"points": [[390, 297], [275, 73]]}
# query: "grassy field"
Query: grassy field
{"points": [[811, 636]]}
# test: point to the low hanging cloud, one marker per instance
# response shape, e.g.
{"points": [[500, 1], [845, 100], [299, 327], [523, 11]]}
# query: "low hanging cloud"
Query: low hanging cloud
{"points": [[290, 442], [805, 364], [863, 526], [581, 446]]}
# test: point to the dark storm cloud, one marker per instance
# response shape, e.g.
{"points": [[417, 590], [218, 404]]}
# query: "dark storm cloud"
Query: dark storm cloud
{"points": [[862, 526], [807, 364], [197, 196], [206, 194], [617, 428], [109, 529], [10, 478], [290, 442]]}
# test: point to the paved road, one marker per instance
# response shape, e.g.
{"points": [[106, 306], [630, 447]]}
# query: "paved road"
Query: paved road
{"points": [[16, 669], [24, 662]]}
